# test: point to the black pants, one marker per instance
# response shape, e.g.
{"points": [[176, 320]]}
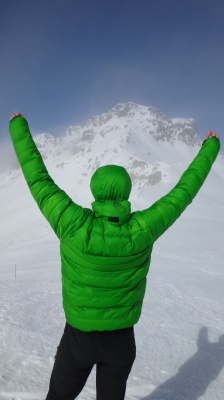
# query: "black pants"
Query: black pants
{"points": [[112, 352]]}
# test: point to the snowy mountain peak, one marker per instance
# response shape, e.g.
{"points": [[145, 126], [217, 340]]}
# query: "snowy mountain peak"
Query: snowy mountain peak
{"points": [[145, 119], [132, 109], [142, 139]]}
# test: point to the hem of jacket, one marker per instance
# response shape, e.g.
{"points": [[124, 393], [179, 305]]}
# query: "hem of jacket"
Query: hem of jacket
{"points": [[101, 326]]}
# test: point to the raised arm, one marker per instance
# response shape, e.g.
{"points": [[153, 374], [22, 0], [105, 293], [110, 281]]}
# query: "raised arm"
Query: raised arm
{"points": [[164, 212], [54, 203]]}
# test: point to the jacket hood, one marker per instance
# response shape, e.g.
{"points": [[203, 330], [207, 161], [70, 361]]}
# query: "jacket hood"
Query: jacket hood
{"points": [[111, 182]]}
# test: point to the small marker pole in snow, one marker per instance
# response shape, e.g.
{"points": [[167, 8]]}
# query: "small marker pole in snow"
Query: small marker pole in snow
{"points": [[15, 271]]}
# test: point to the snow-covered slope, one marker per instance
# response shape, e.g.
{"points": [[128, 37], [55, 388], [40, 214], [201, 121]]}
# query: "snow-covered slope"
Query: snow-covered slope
{"points": [[184, 300]]}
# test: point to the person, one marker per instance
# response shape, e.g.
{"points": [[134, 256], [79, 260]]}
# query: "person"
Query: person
{"points": [[105, 257]]}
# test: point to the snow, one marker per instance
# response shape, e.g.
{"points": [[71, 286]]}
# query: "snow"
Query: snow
{"points": [[180, 336]]}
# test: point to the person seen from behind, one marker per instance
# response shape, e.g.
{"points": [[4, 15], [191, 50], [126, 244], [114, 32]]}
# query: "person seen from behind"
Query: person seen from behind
{"points": [[105, 258]]}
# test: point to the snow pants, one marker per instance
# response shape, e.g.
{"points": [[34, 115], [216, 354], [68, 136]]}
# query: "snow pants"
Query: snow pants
{"points": [[113, 353]]}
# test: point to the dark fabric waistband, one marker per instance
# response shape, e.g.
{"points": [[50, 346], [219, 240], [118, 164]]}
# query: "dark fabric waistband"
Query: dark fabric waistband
{"points": [[131, 328]]}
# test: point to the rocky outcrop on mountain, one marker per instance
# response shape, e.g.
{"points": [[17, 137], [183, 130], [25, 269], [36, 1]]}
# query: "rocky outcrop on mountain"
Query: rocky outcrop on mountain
{"points": [[144, 140]]}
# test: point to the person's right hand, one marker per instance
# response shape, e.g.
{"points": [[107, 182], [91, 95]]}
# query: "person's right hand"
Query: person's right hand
{"points": [[211, 134], [15, 115]]}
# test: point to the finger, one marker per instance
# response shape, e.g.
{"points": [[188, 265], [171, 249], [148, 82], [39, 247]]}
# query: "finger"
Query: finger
{"points": [[211, 133], [214, 134], [208, 134], [217, 136], [15, 115]]}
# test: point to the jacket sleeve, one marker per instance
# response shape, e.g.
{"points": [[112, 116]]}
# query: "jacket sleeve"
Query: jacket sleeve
{"points": [[164, 212], [57, 207]]}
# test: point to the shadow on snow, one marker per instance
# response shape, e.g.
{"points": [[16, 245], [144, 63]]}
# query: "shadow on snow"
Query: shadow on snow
{"points": [[194, 376]]}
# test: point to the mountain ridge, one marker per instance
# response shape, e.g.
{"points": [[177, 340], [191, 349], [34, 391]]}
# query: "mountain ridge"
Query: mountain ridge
{"points": [[141, 138]]}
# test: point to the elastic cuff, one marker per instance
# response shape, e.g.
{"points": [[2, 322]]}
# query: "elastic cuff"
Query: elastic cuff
{"points": [[210, 138]]}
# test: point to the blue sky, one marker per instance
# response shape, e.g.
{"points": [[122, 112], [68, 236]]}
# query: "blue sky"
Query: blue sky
{"points": [[63, 61]]}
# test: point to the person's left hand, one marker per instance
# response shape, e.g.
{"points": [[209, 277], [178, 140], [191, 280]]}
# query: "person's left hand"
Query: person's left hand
{"points": [[15, 115]]}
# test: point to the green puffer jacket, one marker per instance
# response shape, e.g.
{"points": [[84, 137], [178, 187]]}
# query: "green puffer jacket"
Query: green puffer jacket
{"points": [[105, 252]]}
